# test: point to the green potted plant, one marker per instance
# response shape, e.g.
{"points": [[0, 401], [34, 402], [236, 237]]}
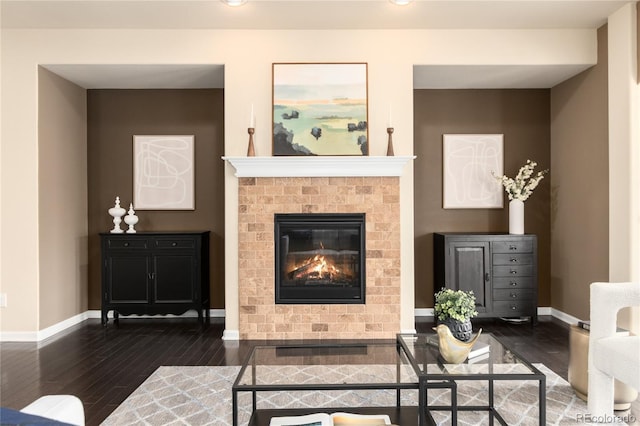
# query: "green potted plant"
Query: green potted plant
{"points": [[455, 308]]}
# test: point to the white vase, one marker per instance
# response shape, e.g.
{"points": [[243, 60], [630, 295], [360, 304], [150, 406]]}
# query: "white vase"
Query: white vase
{"points": [[516, 217]]}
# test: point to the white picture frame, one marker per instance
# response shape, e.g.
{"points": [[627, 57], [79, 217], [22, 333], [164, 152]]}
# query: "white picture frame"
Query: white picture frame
{"points": [[468, 163], [163, 172]]}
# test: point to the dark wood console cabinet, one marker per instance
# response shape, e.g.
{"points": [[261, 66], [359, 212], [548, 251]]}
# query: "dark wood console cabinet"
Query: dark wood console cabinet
{"points": [[150, 273], [500, 269]]}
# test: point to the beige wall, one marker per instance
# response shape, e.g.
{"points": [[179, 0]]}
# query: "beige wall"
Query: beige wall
{"points": [[62, 181], [114, 116], [580, 186], [523, 117], [247, 56], [624, 154]]}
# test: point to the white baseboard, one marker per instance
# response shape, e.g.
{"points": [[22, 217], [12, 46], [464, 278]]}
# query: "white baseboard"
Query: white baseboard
{"points": [[214, 313], [39, 336], [231, 335], [569, 319], [423, 312], [542, 310]]}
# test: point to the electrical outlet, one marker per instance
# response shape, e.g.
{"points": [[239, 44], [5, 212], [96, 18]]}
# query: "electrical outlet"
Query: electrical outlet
{"points": [[3, 300]]}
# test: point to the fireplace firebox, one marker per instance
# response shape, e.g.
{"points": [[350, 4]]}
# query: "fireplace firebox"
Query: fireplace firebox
{"points": [[320, 258]]}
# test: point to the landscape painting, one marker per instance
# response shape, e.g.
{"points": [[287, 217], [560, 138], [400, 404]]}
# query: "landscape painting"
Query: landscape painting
{"points": [[320, 109]]}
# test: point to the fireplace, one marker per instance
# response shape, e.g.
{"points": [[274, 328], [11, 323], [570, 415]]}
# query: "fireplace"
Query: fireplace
{"points": [[320, 258]]}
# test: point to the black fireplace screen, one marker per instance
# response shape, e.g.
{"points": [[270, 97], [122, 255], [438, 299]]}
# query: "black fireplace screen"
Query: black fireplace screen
{"points": [[320, 258]]}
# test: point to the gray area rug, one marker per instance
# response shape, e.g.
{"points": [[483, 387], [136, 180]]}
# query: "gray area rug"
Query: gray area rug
{"points": [[199, 395]]}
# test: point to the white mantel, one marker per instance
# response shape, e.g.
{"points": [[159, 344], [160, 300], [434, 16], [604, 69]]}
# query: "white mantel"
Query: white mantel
{"points": [[324, 166]]}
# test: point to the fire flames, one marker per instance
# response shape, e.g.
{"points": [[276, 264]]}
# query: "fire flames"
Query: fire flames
{"points": [[318, 268]]}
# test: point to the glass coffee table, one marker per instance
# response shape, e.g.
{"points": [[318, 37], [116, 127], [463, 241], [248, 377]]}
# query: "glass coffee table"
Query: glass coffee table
{"points": [[388, 368], [308, 370], [499, 364]]}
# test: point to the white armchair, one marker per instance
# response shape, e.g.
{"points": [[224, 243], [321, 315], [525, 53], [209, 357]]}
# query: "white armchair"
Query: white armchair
{"points": [[610, 356]]}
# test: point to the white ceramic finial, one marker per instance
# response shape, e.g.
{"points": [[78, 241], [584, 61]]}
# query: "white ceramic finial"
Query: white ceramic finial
{"points": [[131, 219], [117, 212]]}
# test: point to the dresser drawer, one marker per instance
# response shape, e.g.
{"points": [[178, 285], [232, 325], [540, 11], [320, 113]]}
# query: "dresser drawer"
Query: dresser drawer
{"points": [[515, 282], [513, 294], [127, 243], [513, 259], [513, 271], [175, 243], [524, 245], [504, 308]]}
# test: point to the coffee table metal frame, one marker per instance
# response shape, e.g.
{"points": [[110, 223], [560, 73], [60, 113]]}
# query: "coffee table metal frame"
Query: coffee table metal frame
{"points": [[254, 387], [427, 378]]}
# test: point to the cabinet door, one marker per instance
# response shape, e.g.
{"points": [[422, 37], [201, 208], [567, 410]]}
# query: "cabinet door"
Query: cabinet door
{"points": [[127, 278], [468, 269], [175, 278]]}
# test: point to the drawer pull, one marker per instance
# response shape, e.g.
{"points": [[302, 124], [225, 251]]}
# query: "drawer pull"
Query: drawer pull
{"points": [[513, 260], [513, 272], [514, 295], [513, 283], [514, 307], [126, 244], [486, 277], [512, 247], [173, 244]]}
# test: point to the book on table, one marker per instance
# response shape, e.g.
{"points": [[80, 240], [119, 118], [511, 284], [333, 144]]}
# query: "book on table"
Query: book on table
{"points": [[479, 348], [335, 419]]}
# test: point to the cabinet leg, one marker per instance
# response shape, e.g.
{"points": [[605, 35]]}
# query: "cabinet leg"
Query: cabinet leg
{"points": [[105, 318]]}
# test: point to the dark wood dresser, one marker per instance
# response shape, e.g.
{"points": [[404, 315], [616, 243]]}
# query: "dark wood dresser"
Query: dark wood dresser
{"points": [[500, 269], [150, 273]]}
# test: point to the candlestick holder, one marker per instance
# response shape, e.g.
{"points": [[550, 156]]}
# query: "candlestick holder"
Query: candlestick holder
{"points": [[251, 152], [390, 143]]}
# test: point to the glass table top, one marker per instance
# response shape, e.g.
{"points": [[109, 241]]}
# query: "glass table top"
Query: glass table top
{"points": [[499, 360], [327, 364]]}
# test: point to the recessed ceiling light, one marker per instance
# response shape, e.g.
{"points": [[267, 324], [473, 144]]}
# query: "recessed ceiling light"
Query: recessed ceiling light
{"points": [[234, 2], [401, 2]]}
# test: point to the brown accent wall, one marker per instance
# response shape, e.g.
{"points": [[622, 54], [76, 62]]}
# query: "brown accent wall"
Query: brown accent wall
{"points": [[260, 198], [113, 117], [580, 185], [523, 117]]}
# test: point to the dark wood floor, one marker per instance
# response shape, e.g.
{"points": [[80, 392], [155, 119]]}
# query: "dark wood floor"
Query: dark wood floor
{"points": [[102, 366]]}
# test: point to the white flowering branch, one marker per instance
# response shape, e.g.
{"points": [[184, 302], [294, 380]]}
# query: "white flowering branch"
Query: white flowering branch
{"points": [[524, 183]]}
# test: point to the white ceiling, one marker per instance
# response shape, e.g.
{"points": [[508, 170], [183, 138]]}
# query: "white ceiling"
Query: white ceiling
{"points": [[307, 14]]}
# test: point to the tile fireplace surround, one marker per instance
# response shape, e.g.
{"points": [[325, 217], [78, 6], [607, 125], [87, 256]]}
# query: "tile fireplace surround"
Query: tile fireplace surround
{"points": [[269, 185]]}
